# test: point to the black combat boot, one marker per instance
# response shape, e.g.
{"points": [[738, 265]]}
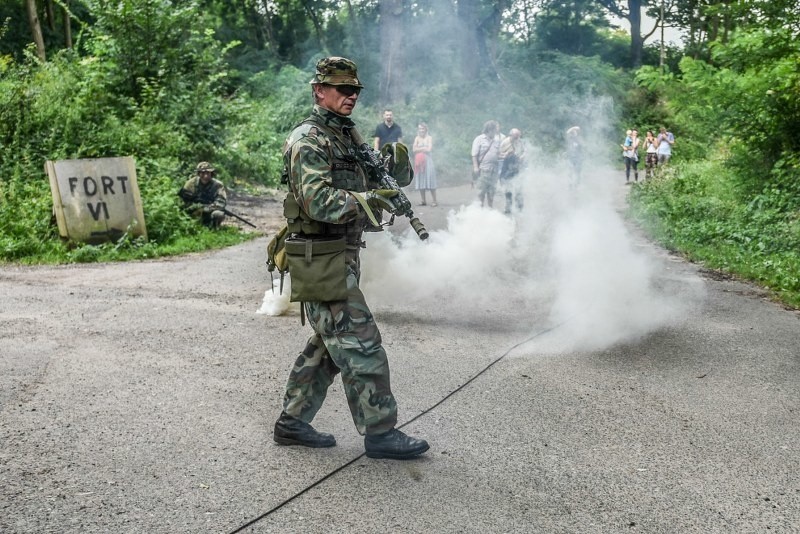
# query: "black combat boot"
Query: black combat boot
{"points": [[292, 431], [395, 445]]}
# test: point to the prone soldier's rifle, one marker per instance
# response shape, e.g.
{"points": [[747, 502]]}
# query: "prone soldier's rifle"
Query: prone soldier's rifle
{"points": [[228, 212], [190, 197], [376, 167]]}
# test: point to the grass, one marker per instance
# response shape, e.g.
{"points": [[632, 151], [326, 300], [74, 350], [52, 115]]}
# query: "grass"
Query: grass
{"points": [[693, 209]]}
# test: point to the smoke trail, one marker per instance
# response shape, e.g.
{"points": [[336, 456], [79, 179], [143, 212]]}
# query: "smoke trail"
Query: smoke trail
{"points": [[569, 249], [452, 263], [276, 302], [607, 289]]}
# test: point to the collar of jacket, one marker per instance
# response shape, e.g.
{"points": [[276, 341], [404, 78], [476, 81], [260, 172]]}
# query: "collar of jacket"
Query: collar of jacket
{"points": [[331, 119]]}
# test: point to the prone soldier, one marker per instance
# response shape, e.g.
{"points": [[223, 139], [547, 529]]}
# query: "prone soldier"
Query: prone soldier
{"points": [[204, 196]]}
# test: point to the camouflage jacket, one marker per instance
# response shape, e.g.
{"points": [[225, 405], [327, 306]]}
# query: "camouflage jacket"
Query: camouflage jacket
{"points": [[213, 193], [322, 168]]}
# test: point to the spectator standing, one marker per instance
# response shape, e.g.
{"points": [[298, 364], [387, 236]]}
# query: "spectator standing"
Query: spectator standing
{"points": [[574, 154], [424, 171], [630, 153], [485, 153], [665, 141], [387, 131], [651, 155], [512, 152]]}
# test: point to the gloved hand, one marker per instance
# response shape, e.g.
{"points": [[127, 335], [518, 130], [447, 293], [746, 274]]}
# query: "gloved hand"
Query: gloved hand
{"points": [[380, 199], [191, 208]]}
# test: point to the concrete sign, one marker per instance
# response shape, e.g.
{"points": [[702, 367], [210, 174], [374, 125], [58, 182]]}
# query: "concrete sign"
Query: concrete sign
{"points": [[96, 200]]}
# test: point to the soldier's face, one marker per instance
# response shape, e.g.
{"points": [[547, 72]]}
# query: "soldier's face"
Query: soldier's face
{"points": [[388, 117], [205, 176], [339, 101]]}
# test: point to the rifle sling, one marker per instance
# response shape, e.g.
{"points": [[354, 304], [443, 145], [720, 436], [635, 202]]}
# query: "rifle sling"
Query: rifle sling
{"points": [[367, 209]]}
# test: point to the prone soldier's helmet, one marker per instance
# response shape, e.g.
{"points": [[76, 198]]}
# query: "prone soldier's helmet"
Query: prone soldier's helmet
{"points": [[336, 71], [205, 166]]}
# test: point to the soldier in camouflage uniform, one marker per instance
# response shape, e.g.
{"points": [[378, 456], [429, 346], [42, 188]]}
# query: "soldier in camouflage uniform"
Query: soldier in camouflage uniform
{"points": [[325, 175], [204, 196]]}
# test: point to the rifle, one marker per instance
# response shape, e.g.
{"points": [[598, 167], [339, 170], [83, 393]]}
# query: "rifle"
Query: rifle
{"points": [[376, 167], [227, 212]]}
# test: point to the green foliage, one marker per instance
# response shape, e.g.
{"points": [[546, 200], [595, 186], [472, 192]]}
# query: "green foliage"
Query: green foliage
{"points": [[273, 102], [751, 96], [549, 92], [761, 72], [115, 95], [693, 209], [571, 27], [734, 203]]}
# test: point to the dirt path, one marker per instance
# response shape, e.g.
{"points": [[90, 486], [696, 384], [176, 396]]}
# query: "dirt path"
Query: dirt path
{"points": [[264, 210]]}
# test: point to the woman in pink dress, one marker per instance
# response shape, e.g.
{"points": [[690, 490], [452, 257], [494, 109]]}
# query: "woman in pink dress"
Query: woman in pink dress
{"points": [[424, 171]]}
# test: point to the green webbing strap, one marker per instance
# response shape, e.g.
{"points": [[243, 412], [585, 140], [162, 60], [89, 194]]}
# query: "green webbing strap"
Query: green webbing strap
{"points": [[363, 202]]}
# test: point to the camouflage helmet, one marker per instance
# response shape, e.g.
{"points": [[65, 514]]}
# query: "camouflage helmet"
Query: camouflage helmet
{"points": [[336, 71], [205, 166]]}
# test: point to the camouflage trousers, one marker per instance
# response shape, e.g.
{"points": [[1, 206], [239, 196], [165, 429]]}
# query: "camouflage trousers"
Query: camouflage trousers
{"points": [[212, 219], [487, 185], [346, 339]]}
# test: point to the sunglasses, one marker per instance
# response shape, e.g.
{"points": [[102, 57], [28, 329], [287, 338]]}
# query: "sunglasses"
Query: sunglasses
{"points": [[347, 90]]}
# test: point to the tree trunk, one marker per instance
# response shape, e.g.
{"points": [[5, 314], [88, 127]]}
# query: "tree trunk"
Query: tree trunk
{"points": [[392, 89], [467, 12], [637, 43], [488, 32], [67, 25], [315, 20], [268, 28], [36, 28], [634, 17], [50, 15], [362, 47]]}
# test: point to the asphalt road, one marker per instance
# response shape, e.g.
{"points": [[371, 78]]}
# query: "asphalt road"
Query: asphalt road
{"points": [[140, 397]]}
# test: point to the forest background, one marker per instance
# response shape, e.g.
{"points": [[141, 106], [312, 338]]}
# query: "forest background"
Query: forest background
{"points": [[174, 82]]}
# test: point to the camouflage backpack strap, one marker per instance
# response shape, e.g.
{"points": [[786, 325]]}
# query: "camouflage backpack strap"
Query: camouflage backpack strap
{"points": [[297, 221]]}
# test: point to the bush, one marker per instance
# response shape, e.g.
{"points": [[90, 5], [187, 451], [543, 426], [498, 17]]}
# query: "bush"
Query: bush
{"points": [[115, 94], [693, 209]]}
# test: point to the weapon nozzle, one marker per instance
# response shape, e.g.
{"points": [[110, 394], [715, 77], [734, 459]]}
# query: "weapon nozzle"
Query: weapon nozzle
{"points": [[418, 227]]}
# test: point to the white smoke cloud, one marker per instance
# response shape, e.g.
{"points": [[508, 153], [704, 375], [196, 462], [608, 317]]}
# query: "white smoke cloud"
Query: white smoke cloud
{"points": [[451, 262], [568, 257], [276, 300], [607, 289], [568, 249]]}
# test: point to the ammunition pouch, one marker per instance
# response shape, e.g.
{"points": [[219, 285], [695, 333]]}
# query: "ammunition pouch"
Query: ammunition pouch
{"points": [[297, 221], [276, 251], [317, 267]]}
